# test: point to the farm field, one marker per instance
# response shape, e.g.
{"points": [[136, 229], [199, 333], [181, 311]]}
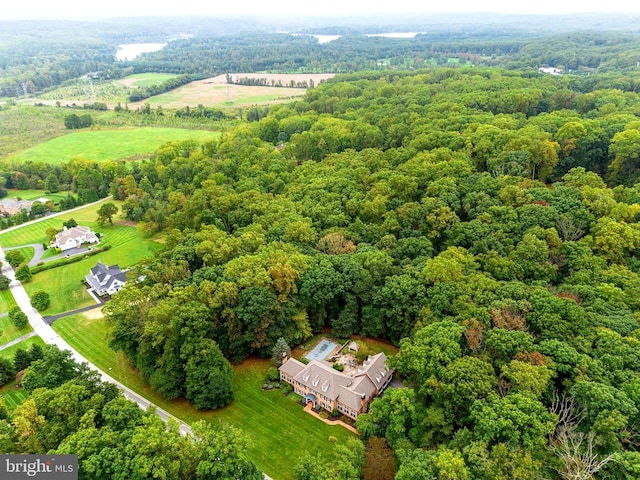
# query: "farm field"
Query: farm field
{"points": [[24, 126], [215, 94], [144, 79], [103, 145], [275, 445]]}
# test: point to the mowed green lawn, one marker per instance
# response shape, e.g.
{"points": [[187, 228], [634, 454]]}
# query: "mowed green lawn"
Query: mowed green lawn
{"points": [[35, 194], [279, 430], [103, 145], [9, 331], [6, 301], [64, 283], [35, 232]]}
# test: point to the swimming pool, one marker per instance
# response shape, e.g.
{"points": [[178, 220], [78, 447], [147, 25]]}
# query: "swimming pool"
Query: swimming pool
{"points": [[321, 350]]}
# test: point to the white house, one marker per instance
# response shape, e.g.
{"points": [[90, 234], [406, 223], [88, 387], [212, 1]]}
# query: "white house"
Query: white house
{"points": [[74, 237], [106, 280]]}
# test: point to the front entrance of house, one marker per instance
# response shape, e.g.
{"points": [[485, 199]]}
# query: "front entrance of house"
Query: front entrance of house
{"points": [[310, 397]]}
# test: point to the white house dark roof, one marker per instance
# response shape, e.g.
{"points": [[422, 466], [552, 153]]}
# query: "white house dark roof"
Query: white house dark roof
{"points": [[102, 276], [77, 233]]}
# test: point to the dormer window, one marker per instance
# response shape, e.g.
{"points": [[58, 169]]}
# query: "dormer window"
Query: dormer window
{"points": [[305, 377]]}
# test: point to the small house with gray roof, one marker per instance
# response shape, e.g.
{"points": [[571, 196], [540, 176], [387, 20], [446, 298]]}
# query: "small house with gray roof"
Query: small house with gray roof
{"points": [[318, 382], [106, 280]]}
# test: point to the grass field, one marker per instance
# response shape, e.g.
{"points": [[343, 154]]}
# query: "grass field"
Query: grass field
{"points": [[35, 232], [24, 126], [280, 432], [35, 194], [63, 283], [27, 253], [144, 79], [25, 344], [8, 330], [103, 145], [209, 93], [6, 301]]}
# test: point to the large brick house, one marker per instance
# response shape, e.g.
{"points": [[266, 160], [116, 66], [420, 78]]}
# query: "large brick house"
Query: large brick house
{"points": [[350, 394]]}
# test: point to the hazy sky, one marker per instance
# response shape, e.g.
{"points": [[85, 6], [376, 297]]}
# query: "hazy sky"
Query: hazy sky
{"points": [[12, 9]]}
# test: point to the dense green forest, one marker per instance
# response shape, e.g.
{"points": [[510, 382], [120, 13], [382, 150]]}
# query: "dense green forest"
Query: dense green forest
{"points": [[483, 218], [485, 221], [71, 411]]}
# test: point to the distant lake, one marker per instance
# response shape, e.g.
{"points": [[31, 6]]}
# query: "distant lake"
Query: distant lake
{"points": [[129, 51]]}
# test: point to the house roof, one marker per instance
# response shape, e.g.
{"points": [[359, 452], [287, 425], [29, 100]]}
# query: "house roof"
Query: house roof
{"points": [[74, 233], [102, 277], [347, 389], [292, 367]]}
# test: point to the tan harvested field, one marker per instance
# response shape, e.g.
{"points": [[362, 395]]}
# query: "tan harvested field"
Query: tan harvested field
{"points": [[215, 92]]}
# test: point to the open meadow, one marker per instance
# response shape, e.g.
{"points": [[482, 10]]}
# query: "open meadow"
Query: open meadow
{"points": [[279, 430], [103, 145], [216, 92]]}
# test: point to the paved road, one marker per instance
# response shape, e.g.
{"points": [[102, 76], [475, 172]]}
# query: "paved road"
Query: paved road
{"points": [[18, 340]]}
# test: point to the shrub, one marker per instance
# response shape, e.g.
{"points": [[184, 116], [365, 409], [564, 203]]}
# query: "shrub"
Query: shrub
{"points": [[286, 389], [4, 282], [18, 317], [14, 257], [332, 439], [335, 413], [324, 414], [40, 300], [338, 366], [273, 375], [23, 273]]}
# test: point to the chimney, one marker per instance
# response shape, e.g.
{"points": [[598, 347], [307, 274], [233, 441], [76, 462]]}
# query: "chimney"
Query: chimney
{"points": [[284, 358], [363, 403]]}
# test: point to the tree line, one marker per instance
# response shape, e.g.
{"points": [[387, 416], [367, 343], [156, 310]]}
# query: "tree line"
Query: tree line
{"points": [[485, 221]]}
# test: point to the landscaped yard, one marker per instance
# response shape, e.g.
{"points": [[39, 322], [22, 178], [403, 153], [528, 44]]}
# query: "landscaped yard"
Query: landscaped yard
{"points": [[35, 232], [35, 194], [280, 432], [25, 344], [63, 283]]}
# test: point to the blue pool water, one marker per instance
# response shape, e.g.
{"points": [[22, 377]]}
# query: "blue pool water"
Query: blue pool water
{"points": [[320, 351]]}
